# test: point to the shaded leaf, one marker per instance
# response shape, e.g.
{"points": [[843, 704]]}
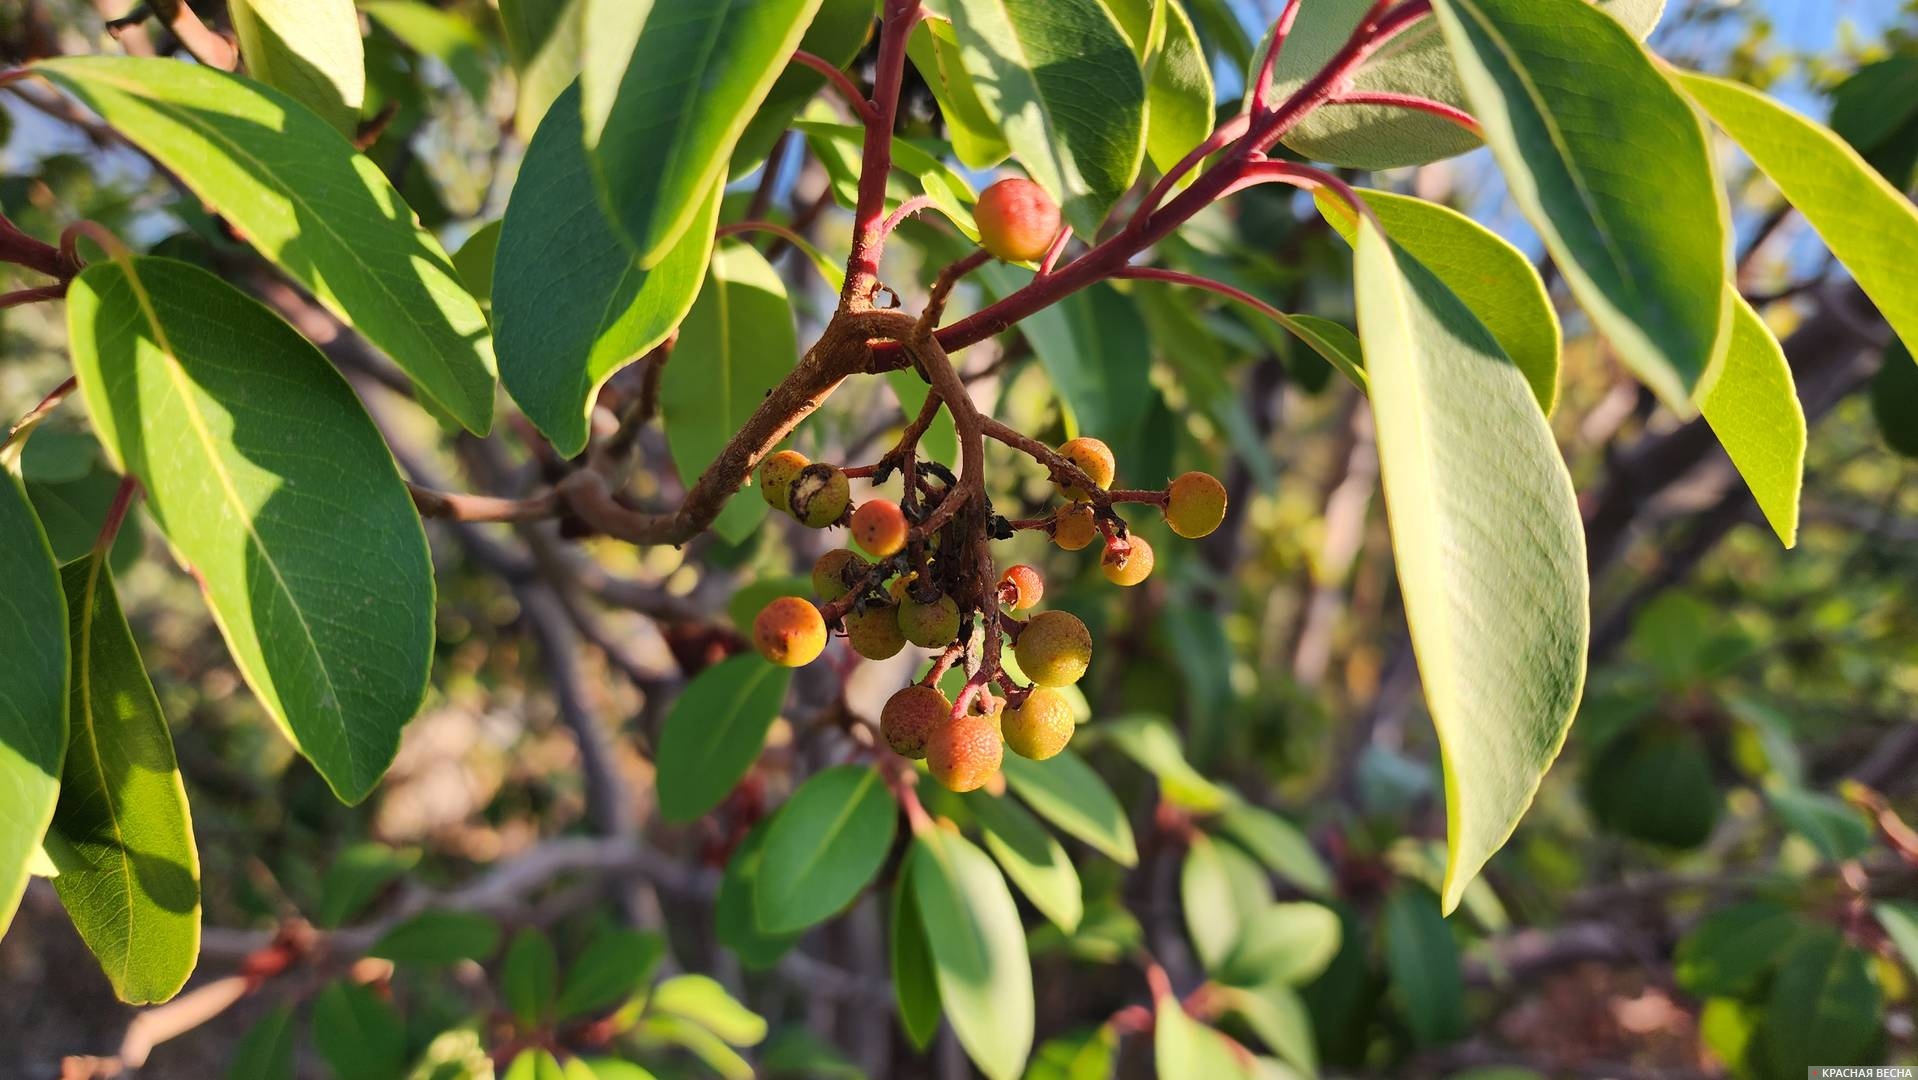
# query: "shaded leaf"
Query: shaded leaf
{"points": [[734, 922], [1287, 943], [914, 985], [265, 1052], [1655, 784], [715, 731], [979, 952], [615, 965], [1079, 1055], [439, 938], [359, 1035], [1278, 844], [1277, 1015], [1178, 78], [1731, 951], [1834, 827], [976, 139], [1422, 963], [33, 689], [824, 847], [529, 977], [1031, 857], [1152, 743], [836, 32], [543, 40], [1066, 791], [450, 38], [1823, 1008], [1894, 401], [356, 876]]}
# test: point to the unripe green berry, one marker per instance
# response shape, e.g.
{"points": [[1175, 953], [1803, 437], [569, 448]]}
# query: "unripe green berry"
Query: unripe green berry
{"points": [[1132, 567], [1017, 220], [1023, 585], [1073, 526], [1194, 505], [790, 632], [911, 717], [929, 626], [820, 495], [837, 572], [965, 754], [874, 633], [880, 527], [1054, 649], [1094, 458], [776, 476], [1042, 726]]}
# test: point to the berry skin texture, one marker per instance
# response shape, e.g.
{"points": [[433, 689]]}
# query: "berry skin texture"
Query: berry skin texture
{"points": [[790, 632], [880, 527], [1017, 220], [1054, 649], [1025, 585], [1194, 505], [820, 495], [776, 476], [874, 633], [965, 754], [1136, 567], [1042, 726], [912, 717], [929, 626], [1073, 527], [1095, 459], [836, 572]]}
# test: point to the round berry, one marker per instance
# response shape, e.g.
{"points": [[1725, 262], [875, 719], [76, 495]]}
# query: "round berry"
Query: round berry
{"points": [[1054, 649], [1095, 459], [880, 527], [776, 476], [965, 753], [1024, 585], [837, 572], [1017, 220], [1131, 568], [911, 717], [929, 626], [874, 633], [790, 632], [820, 495], [1042, 726], [1073, 526], [1194, 505]]}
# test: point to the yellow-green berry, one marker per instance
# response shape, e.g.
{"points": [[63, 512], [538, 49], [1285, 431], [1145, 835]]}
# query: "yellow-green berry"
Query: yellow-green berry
{"points": [[1073, 526], [929, 626], [1131, 567], [1054, 649], [1194, 505], [1094, 458], [820, 495], [837, 572], [776, 476], [1042, 726], [874, 633]]}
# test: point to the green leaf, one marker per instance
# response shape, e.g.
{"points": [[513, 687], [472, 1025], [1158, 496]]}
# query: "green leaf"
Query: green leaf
{"points": [[1152, 743], [1894, 401], [796, 1052], [976, 139], [1066, 791], [439, 939], [1493, 278], [544, 41], [1416, 63], [447, 37], [710, 1049], [1837, 830], [1465, 454], [1031, 857], [1869, 225], [1277, 1015], [1554, 82], [1900, 921], [1185, 1049], [265, 1052], [1059, 79], [738, 342], [1288, 943], [978, 951], [122, 836], [824, 847], [1729, 952], [836, 33], [571, 305], [616, 964], [914, 985], [1824, 1008], [358, 875], [715, 731], [715, 63], [315, 566], [72, 514], [1278, 844], [475, 260], [1080, 1055], [535, 1064], [263, 162], [359, 1035], [701, 999], [1178, 78], [529, 977], [734, 922], [1222, 891], [1752, 406], [1422, 964], [308, 48], [1655, 784], [33, 689]]}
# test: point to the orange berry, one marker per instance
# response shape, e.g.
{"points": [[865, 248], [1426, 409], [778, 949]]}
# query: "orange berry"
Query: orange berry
{"points": [[1054, 649], [911, 717], [1017, 220], [820, 495], [874, 633], [1095, 459], [880, 527], [1131, 568], [1194, 505], [837, 572], [929, 626], [1042, 726], [1073, 526], [965, 753], [1025, 585], [776, 476], [790, 632]]}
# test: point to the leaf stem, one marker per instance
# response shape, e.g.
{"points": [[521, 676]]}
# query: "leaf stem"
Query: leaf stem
{"points": [[868, 232], [1440, 109], [123, 497], [1262, 85], [841, 83]]}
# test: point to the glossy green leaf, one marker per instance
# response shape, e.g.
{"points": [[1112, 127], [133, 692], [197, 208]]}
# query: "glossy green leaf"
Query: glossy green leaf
{"points": [[535, 1064], [616, 964], [978, 951], [702, 1000], [72, 513], [544, 42], [976, 139], [1287, 943], [1066, 791], [1422, 965], [1153, 743], [446, 36], [714, 63], [1655, 784], [715, 731], [529, 977], [439, 939], [1031, 857], [122, 837], [315, 566], [1729, 952], [358, 1034], [1185, 1049], [839, 148], [1278, 844], [1894, 402], [1554, 82], [1869, 225], [308, 48], [737, 343], [837, 32], [1824, 1007], [1222, 891], [824, 847], [1178, 78], [571, 305], [1876, 111], [1059, 79], [1492, 277], [1464, 453], [1278, 1016], [1752, 406], [33, 689], [297, 190], [734, 922], [914, 985], [265, 1052]]}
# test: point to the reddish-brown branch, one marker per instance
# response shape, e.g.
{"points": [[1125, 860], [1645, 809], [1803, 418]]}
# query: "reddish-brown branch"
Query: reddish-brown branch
{"points": [[869, 238], [457, 507], [1440, 109], [123, 498], [841, 84], [33, 253], [1268, 64], [37, 294]]}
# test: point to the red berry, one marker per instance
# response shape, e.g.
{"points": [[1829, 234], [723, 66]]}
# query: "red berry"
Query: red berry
{"points": [[1021, 587], [880, 527], [1017, 220]]}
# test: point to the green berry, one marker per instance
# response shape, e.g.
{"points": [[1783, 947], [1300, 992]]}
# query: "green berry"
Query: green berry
{"points": [[1054, 649]]}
